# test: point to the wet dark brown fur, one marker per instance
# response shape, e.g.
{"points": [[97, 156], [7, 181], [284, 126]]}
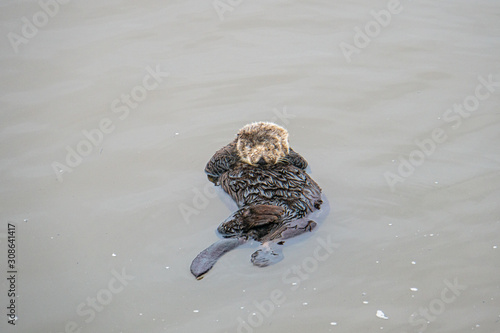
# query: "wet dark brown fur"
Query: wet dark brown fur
{"points": [[268, 182]]}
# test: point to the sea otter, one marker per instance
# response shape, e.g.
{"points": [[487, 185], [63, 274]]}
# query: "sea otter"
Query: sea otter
{"points": [[267, 180]]}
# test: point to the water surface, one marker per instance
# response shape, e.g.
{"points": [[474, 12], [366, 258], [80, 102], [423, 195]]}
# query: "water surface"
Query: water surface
{"points": [[111, 110]]}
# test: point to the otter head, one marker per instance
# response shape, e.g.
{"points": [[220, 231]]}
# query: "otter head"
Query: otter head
{"points": [[261, 144]]}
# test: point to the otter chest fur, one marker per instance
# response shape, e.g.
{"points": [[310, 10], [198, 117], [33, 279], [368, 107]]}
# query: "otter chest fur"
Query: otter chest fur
{"points": [[282, 184]]}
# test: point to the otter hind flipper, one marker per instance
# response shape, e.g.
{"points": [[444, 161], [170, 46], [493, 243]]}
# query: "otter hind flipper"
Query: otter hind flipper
{"points": [[270, 250], [208, 257], [269, 253]]}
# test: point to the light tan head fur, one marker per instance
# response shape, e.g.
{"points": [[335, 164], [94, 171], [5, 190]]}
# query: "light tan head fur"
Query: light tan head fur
{"points": [[262, 143]]}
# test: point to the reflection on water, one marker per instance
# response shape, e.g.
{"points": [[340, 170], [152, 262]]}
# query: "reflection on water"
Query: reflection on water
{"points": [[111, 111]]}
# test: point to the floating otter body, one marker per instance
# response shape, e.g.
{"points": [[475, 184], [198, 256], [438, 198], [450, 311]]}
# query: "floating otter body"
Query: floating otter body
{"points": [[274, 194]]}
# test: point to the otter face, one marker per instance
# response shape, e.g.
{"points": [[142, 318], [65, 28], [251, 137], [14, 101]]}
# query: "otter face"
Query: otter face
{"points": [[262, 143]]}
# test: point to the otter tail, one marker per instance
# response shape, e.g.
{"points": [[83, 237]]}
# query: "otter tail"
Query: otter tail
{"points": [[208, 257]]}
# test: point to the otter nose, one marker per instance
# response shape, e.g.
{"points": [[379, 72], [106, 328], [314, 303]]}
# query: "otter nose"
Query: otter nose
{"points": [[261, 161]]}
